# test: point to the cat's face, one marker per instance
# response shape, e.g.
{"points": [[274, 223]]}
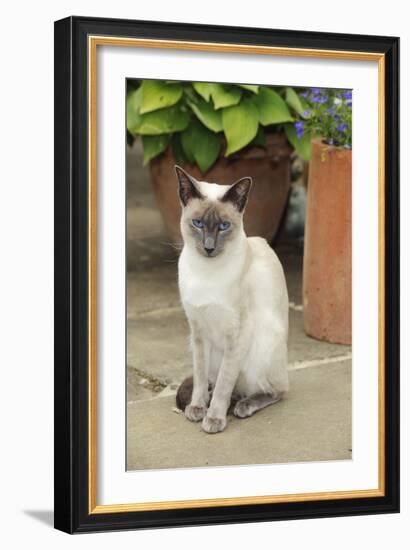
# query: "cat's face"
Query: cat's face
{"points": [[212, 214]]}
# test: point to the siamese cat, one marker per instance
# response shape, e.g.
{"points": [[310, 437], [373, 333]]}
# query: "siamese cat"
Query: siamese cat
{"points": [[234, 294]]}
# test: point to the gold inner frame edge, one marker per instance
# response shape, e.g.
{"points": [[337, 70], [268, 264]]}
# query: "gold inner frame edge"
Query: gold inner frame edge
{"points": [[93, 42]]}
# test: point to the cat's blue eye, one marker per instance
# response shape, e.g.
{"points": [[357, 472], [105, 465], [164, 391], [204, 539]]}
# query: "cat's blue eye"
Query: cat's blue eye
{"points": [[223, 226], [198, 223]]}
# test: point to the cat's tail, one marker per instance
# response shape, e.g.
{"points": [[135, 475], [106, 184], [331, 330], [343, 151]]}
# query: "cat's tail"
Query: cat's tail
{"points": [[184, 393]]}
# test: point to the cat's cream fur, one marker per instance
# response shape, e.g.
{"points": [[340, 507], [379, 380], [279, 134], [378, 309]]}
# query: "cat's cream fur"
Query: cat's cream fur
{"points": [[236, 303]]}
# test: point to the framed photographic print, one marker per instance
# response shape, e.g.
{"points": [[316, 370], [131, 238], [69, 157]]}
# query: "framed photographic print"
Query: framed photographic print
{"points": [[226, 274]]}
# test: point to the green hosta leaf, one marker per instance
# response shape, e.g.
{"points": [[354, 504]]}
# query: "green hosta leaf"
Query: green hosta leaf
{"points": [[203, 89], [272, 108], [250, 87], [133, 107], [207, 151], [225, 95], [157, 94], [295, 101], [177, 149], [301, 145], [260, 139], [186, 142], [200, 145], [154, 145], [165, 121], [207, 115], [240, 124], [189, 92]]}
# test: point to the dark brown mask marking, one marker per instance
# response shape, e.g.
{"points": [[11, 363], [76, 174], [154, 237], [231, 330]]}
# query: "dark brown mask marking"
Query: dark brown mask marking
{"points": [[211, 221]]}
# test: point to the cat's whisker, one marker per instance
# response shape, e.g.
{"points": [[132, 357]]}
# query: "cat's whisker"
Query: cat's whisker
{"points": [[177, 246]]}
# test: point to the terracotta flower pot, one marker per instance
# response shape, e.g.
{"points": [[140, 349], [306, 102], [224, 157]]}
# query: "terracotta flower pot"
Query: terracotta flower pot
{"points": [[327, 264], [269, 169]]}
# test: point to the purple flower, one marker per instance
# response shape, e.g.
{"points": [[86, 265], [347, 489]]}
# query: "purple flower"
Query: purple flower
{"points": [[341, 127], [299, 128], [331, 111], [306, 113], [318, 99], [349, 103], [347, 95], [315, 91], [304, 94]]}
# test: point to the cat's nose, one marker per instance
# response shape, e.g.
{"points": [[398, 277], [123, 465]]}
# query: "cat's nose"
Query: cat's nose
{"points": [[209, 245]]}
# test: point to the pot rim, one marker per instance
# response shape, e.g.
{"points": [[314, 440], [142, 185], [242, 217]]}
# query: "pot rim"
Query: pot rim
{"points": [[320, 143]]}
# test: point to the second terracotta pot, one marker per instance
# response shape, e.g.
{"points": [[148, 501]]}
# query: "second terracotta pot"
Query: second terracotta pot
{"points": [[269, 168], [327, 265]]}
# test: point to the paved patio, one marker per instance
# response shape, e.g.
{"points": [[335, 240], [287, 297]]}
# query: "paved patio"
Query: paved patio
{"points": [[312, 423]]}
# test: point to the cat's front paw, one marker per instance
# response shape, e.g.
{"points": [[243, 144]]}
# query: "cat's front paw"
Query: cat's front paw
{"points": [[195, 414], [213, 425]]}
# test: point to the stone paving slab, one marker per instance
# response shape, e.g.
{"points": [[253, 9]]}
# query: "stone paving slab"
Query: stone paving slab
{"points": [[291, 257], [152, 273], [304, 348], [147, 245], [312, 424], [150, 290], [141, 388], [158, 344]]}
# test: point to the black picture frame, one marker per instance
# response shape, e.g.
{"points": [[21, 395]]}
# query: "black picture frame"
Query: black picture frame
{"points": [[71, 418]]}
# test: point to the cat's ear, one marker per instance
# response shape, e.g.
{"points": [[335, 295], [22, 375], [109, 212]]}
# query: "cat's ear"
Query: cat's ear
{"points": [[187, 186], [238, 193]]}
